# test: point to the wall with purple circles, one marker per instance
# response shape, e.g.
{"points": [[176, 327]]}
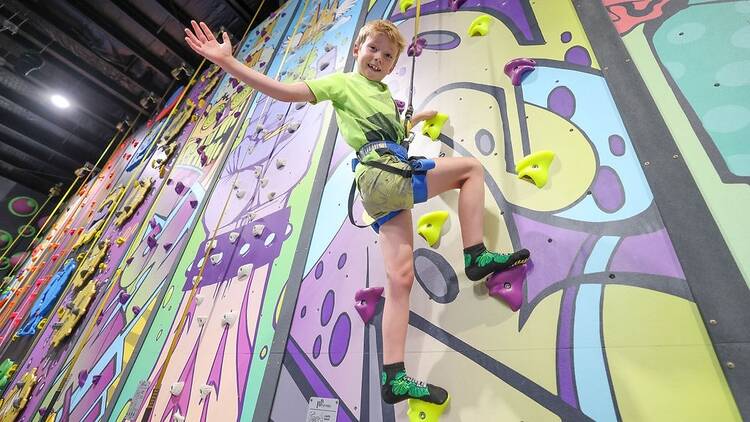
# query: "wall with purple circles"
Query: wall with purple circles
{"points": [[18, 205]]}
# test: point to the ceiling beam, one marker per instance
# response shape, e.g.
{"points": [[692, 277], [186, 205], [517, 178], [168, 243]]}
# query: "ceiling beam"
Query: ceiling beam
{"points": [[177, 13], [177, 47], [31, 164], [29, 96], [111, 28], [30, 181], [240, 10], [90, 65], [22, 115], [20, 141]]}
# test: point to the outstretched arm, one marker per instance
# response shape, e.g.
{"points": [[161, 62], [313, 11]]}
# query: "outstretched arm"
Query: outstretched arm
{"points": [[203, 42]]}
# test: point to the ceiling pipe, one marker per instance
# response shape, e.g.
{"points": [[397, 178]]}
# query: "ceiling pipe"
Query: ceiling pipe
{"points": [[36, 23], [23, 115], [38, 149]]}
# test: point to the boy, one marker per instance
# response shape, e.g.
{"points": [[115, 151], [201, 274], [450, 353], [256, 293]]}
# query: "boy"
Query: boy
{"points": [[369, 122]]}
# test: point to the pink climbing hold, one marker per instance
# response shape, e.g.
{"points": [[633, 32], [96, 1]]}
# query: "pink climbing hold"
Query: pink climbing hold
{"points": [[82, 376], [366, 301], [415, 48], [456, 4], [508, 286], [124, 296], [517, 68], [400, 106]]}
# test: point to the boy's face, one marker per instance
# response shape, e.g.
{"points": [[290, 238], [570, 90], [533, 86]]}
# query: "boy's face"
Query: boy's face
{"points": [[376, 57]]}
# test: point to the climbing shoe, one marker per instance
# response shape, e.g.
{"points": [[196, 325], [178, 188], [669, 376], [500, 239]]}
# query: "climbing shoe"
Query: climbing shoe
{"points": [[480, 262], [396, 386]]}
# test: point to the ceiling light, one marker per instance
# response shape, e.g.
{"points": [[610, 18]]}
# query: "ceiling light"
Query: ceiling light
{"points": [[60, 101]]}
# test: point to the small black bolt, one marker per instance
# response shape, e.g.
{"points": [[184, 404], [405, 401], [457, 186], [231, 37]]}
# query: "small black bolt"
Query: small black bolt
{"points": [[612, 276]]}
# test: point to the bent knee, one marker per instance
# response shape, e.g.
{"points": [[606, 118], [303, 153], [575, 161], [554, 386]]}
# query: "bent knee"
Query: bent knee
{"points": [[403, 278]]}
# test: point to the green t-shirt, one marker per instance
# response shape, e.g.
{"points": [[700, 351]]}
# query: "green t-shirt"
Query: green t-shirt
{"points": [[365, 110]]}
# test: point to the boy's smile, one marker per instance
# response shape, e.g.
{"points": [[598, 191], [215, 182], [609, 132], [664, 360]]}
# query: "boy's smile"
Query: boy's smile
{"points": [[376, 57]]}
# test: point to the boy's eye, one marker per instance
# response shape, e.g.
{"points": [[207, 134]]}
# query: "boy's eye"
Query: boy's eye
{"points": [[372, 48]]}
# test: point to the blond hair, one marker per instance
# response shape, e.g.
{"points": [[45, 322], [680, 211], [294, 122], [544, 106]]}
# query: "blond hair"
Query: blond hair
{"points": [[384, 27]]}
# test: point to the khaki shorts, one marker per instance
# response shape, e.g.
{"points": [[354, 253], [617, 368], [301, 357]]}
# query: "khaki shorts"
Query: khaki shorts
{"points": [[382, 191]]}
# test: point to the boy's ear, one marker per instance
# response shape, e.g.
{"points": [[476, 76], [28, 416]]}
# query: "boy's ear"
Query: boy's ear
{"points": [[355, 51]]}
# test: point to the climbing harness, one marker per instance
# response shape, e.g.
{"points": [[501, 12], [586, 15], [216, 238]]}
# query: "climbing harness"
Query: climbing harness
{"points": [[419, 165]]}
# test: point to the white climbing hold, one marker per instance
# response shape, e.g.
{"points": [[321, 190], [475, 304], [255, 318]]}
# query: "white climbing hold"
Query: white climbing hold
{"points": [[280, 163], [328, 47], [263, 182], [176, 388], [233, 236], [216, 258], [199, 299], [209, 246], [240, 194], [258, 129], [177, 417], [292, 127], [201, 320], [271, 195], [244, 271], [258, 170], [279, 116], [258, 229], [228, 319], [251, 216], [205, 390]]}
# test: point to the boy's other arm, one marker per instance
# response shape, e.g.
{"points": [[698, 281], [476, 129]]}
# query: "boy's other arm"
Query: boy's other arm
{"points": [[203, 42]]}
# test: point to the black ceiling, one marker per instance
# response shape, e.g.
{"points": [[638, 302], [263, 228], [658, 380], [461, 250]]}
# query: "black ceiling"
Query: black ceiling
{"points": [[103, 55]]}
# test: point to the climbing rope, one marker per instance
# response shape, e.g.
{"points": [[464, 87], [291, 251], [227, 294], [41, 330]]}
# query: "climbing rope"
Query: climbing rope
{"points": [[410, 106]]}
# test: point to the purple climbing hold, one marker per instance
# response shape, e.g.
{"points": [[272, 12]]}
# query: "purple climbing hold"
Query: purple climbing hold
{"points": [[99, 319], [128, 261], [400, 105], [200, 149], [415, 48], [179, 187], [366, 301], [152, 223], [456, 4], [204, 159], [82, 376], [194, 203], [167, 247], [95, 379], [151, 241], [136, 309], [124, 296], [508, 286], [517, 68]]}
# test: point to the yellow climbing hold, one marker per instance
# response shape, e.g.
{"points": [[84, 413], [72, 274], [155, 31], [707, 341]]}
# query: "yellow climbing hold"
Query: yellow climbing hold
{"points": [[430, 226], [434, 126], [536, 167], [120, 240], [480, 26], [422, 411], [405, 4]]}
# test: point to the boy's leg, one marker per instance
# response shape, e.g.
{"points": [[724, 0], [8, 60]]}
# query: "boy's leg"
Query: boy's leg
{"points": [[467, 174], [397, 243]]}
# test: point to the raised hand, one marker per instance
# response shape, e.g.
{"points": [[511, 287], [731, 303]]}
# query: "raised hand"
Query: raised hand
{"points": [[203, 42]]}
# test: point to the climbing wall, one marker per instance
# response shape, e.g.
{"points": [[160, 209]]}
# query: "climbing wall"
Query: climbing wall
{"points": [[608, 328], [692, 56], [209, 271]]}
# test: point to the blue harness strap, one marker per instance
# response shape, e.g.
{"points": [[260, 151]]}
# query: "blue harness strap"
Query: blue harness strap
{"points": [[417, 174]]}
